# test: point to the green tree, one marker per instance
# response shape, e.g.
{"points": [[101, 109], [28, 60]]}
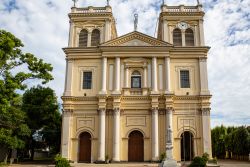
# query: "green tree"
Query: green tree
{"points": [[12, 120], [218, 141], [41, 107]]}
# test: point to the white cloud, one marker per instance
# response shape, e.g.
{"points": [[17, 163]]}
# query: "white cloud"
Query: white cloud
{"points": [[43, 25]]}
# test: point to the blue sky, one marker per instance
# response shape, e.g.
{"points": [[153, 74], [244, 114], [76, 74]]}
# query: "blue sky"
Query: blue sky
{"points": [[43, 26]]}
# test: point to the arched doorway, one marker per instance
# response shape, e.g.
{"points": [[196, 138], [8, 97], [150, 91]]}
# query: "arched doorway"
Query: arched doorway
{"points": [[136, 146], [187, 146], [85, 147]]}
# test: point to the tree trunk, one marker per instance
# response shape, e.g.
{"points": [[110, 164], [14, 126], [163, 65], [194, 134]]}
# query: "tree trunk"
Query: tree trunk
{"points": [[6, 156]]}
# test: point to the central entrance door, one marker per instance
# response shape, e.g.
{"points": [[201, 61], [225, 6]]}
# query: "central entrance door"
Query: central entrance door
{"points": [[187, 146], [136, 147], [85, 147]]}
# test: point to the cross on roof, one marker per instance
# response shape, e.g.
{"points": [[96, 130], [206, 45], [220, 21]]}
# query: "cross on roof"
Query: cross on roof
{"points": [[135, 21], [74, 2]]}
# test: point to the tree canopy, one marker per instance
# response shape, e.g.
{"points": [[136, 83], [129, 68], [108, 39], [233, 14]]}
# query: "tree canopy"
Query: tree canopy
{"points": [[232, 140], [41, 107], [16, 67]]}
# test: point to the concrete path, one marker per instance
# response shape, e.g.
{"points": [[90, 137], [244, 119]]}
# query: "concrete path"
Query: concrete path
{"points": [[222, 163]]}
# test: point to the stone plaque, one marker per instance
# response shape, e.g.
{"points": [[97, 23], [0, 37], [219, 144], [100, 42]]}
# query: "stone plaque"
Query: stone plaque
{"points": [[186, 122], [85, 122], [136, 121]]}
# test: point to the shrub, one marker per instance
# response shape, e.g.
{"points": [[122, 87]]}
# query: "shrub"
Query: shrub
{"points": [[205, 156], [198, 162], [163, 156], [61, 162]]}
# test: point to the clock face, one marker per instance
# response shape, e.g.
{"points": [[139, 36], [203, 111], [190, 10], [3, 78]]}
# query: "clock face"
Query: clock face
{"points": [[182, 25]]}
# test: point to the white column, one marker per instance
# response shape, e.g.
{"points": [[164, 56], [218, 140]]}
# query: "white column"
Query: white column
{"points": [[154, 75], [104, 76], [117, 76], [183, 38], [145, 80], [101, 137], [155, 138], [68, 78], [149, 76], [169, 133], [196, 36], [206, 131], [126, 77], [71, 34], [107, 30], [167, 75], [202, 40], [89, 39], [116, 135], [203, 76], [66, 131], [122, 76], [165, 31]]}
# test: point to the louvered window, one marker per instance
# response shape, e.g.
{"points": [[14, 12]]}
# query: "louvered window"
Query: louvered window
{"points": [[83, 38], [184, 78], [177, 38], [136, 79], [95, 37], [189, 37], [87, 80]]}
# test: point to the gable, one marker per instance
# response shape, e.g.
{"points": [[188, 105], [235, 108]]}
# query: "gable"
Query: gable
{"points": [[135, 39]]}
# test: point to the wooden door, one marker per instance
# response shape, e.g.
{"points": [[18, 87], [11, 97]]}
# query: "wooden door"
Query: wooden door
{"points": [[187, 146], [135, 147], [85, 147]]}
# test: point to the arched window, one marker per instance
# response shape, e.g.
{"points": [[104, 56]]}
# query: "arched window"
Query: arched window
{"points": [[136, 79], [189, 37], [83, 38], [177, 38], [95, 37]]}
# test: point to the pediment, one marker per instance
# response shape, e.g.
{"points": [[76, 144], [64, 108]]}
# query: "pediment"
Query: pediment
{"points": [[135, 39]]}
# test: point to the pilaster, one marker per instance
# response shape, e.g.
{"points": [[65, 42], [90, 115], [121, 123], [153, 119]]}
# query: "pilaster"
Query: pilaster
{"points": [[104, 76], [68, 77], [206, 131], [203, 76], [116, 135], [101, 136], [66, 133], [155, 134]]}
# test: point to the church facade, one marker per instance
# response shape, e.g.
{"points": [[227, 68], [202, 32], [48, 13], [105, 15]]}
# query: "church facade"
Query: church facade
{"points": [[123, 93]]}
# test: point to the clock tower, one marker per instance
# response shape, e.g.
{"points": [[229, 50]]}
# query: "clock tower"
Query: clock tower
{"points": [[181, 25]]}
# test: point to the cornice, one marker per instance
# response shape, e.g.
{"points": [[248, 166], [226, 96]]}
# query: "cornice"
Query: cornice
{"points": [[89, 14], [204, 49], [70, 50], [135, 98], [80, 98], [201, 14]]}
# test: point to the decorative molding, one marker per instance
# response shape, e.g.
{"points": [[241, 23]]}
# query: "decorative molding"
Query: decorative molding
{"points": [[205, 111], [135, 120], [79, 98], [145, 40]]}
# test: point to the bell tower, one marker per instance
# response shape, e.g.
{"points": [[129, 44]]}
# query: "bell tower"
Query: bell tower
{"points": [[181, 25], [91, 26]]}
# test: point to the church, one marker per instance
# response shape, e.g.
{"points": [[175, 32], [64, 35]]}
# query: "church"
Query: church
{"points": [[124, 94]]}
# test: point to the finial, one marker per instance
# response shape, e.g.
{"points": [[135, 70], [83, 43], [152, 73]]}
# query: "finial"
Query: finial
{"points": [[198, 2], [74, 2], [108, 2], [163, 2], [135, 21]]}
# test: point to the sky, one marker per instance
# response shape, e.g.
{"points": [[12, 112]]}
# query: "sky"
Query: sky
{"points": [[43, 27]]}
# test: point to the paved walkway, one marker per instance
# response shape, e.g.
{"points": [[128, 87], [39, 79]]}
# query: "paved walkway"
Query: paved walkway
{"points": [[233, 163], [222, 163]]}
